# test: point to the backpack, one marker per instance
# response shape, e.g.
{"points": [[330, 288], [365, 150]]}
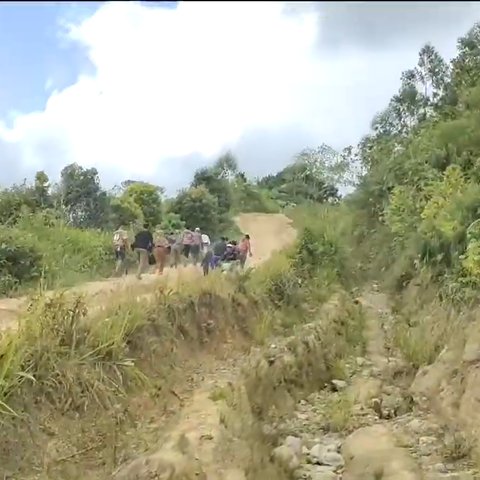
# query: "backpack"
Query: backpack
{"points": [[117, 239]]}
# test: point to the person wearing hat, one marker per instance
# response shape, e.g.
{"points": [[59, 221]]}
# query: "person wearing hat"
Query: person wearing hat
{"points": [[161, 250], [187, 242], [196, 246]]}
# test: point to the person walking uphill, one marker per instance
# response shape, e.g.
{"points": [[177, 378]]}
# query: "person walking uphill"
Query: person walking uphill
{"points": [[120, 244], [187, 242], [196, 246], [219, 249], [244, 249], [177, 249], [161, 251], [143, 245]]}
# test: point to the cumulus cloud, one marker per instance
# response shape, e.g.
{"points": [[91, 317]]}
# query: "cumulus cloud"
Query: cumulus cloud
{"points": [[172, 88]]}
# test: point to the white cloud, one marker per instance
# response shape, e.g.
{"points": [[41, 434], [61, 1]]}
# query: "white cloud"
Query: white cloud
{"points": [[196, 80]]}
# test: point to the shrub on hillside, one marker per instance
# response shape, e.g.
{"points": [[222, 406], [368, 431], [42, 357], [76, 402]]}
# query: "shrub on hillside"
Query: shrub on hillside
{"points": [[20, 259], [322, 245], [42, 245]]}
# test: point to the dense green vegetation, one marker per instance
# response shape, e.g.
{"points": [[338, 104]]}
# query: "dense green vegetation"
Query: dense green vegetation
{"points": [[415, 209]]}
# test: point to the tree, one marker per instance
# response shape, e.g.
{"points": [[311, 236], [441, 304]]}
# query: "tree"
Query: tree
{"points": [[84, 200], [408, 105], [217, 185], [172, 222], [14, 201], [324, 165], [300, 182], [250, 197], [466, 65], [41, 190], [226, 166], [148, 198], [386, 123], [432, 73], [198, 208], [124, 211]]}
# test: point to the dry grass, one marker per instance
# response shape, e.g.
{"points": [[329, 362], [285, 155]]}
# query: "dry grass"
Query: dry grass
{"points": [[457, 445], [338, 412], [422, 334]]}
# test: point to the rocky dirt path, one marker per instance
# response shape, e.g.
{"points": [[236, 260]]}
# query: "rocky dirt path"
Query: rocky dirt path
{"points": [[187, 450], [367, 427], [269, 233]]}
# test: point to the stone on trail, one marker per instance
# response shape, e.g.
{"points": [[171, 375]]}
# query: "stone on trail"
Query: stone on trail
{"points": [[450, 476], [326, 455], [339, 385], [370, 452], [323, 476], [315, 472], [360, 361], [294, 444], [333, 459], [286, 458]]}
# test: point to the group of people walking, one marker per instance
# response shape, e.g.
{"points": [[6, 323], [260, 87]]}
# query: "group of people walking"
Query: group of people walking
{"points": [[178, 248]]}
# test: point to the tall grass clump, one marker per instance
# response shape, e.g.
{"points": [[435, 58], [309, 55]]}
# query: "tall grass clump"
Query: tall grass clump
{"points": [[60, 359], [325, 251]]}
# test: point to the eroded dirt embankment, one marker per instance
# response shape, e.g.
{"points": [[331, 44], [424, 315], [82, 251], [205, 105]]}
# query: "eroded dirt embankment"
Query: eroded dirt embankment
{"points": [[332, 402], [360, 421]]}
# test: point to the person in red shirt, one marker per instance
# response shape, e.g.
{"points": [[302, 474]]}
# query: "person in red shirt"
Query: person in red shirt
{"points": [[244, 249]]}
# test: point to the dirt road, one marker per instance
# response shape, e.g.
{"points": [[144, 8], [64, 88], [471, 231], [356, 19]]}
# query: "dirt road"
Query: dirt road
{"points": [[200, 420], [268, 232]]}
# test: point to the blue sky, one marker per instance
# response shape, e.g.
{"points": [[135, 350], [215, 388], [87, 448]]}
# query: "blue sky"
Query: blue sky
{"points": [[32, 52]]}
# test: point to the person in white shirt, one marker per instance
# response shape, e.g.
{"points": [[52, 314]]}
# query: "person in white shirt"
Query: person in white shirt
{"points": [[205, 243]]}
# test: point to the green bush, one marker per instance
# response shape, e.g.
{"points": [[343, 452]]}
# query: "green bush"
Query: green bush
{"points": [[42, 246], [20, 259]]}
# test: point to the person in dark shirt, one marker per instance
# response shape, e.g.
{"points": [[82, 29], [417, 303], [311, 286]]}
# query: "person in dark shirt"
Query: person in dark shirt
{"points": [[143, 245], [231, 252], [219, 249], [207, 261]]}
